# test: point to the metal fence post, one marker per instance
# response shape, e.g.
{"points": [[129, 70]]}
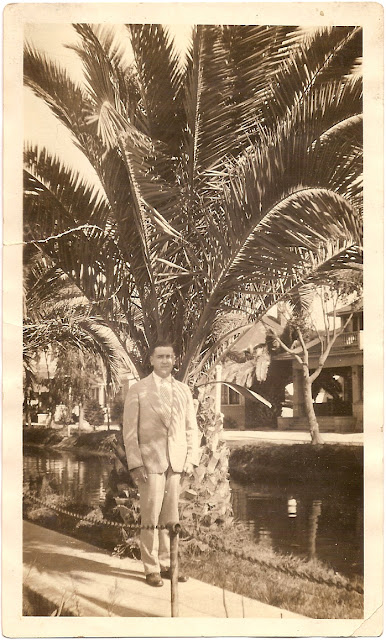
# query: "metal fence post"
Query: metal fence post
{"points": [[174, 529]]}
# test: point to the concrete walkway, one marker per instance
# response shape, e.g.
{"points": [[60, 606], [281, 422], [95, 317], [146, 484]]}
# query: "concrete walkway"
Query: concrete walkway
{"points": [[239, 438], [90, 582]]}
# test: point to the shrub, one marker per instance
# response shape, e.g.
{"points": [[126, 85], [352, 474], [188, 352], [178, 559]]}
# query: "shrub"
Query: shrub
{"points": [[230, 423], [93, 413], [41, 435]]}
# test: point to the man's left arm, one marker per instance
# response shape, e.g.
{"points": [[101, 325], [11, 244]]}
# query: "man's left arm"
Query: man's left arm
{"points": [[192, 435]]}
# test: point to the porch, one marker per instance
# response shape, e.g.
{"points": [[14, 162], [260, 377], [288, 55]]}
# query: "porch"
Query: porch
{"points": [[332, 424]]}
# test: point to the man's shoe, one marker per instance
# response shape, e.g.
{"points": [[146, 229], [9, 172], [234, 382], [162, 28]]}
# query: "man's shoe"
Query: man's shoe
{"points": [[167, 574], [154, 580]]}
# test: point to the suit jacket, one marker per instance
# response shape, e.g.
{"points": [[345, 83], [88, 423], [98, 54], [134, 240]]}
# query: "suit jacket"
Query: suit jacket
{"points": [[149, 441]]}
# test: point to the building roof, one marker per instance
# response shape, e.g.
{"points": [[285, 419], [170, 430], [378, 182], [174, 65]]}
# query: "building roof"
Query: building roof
{"points": [[256, 334], [355, 307]]}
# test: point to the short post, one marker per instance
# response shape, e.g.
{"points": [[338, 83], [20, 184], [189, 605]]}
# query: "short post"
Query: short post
{"points": [[174, 530]]}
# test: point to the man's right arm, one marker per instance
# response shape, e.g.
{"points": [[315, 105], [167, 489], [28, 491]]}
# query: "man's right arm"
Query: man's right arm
{"points": [[130, 430], [138, 475]]}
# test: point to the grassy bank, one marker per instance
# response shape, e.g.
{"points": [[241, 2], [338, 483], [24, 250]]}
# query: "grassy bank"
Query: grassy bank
{"points": [[274, 587], [89, 443], [34, 604], [324, 464]]}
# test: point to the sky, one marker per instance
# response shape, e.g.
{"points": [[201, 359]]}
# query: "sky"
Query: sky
{"points": [[40, 126]]}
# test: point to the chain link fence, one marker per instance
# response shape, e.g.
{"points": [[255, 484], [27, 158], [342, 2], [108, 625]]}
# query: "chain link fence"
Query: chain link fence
{"points": [[302, 573]]}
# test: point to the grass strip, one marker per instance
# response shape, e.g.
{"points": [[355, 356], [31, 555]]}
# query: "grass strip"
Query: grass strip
{"points": [[273, 587], [328, 463]]}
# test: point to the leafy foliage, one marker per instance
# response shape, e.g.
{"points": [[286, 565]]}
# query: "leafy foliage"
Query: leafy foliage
{"points": [[93, 413], [224, 183]]}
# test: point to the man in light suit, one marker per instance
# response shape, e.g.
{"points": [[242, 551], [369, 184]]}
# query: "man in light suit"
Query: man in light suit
{"points": [[161, 441]]}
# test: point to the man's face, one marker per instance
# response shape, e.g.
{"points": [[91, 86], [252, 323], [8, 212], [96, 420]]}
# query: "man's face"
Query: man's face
{"points": [[162, 361]]}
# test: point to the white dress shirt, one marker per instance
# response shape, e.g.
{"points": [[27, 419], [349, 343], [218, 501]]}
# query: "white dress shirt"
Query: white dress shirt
{"points": [[168, 381]]}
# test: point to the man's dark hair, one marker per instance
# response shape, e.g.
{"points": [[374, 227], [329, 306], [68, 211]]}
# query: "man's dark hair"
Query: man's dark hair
{"points": [[161, 343]]}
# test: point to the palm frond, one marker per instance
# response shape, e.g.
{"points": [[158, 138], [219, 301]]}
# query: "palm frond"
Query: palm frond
{"points": [[52, 83], [253, 56], [325, 55], [242, 391], [160, 78]]}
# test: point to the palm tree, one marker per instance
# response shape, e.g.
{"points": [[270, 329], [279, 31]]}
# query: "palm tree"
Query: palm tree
{"points": [[225, 182]]}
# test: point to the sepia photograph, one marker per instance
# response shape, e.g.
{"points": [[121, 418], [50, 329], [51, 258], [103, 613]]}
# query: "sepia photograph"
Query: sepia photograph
{"points": [[193, 299]]}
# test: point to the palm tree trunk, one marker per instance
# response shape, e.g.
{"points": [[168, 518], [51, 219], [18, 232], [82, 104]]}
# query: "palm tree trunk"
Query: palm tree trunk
{"points": [[28, 408], [81, 416], [309, 407], [108, 406]]}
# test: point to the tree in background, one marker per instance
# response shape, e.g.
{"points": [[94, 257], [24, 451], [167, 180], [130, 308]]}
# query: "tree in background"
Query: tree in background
{"points": [[337, 291], [93, 412], [72, 383], [59, 323], [117, 410]]}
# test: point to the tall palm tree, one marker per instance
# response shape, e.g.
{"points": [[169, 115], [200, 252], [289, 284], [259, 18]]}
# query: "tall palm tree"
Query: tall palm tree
{"points": [[225, 181]]}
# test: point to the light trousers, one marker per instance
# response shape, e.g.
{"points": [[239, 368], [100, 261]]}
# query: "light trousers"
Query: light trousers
{"points": [[158, 499]]}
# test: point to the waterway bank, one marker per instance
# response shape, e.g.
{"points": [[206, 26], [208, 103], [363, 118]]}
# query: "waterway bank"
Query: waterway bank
{"points": [[324, 464], [331, 464], [76, 579], [94, 443]]}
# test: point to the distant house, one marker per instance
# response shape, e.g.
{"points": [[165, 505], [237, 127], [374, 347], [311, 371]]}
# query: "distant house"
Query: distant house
{"points": [[339, 403]]}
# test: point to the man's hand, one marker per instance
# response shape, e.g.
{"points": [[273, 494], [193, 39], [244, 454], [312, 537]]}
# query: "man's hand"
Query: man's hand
{"points": [[188, 468], [138, 475]]}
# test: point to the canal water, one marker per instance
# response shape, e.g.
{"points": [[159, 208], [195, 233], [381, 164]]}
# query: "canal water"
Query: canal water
{"points": [[305, 521]]}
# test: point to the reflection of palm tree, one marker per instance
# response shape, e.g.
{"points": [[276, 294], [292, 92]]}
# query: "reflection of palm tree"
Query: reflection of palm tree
{"points": [[316, 510]]}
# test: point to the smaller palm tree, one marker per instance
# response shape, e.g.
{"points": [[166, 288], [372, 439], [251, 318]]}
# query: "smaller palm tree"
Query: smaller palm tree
{"points": [[59, 320]]}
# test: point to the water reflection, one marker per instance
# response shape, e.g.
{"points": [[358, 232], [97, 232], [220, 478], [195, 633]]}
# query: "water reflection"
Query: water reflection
{"points": [[316, 510], [306, 521], [292, 508], [297, 520], [82, 480]]}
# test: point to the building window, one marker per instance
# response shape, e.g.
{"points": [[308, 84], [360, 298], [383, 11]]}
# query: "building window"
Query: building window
{"points": [[229, 396], [358, 322]]}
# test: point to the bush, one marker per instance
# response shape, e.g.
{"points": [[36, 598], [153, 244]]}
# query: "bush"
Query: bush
{"points": [[41, 435], [230, 423], [302, 462], [93, 413]]}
